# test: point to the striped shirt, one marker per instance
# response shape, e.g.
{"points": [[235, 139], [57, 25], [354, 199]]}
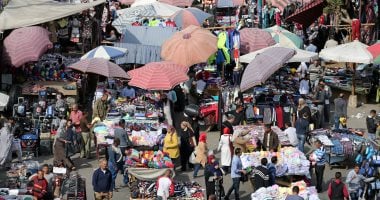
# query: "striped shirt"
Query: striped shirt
{"points": [[321, 156]]}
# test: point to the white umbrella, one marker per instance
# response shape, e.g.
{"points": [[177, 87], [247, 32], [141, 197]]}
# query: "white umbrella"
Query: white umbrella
{"points": [[300, 56], [352, 52], [129, 15], [142, 2]]}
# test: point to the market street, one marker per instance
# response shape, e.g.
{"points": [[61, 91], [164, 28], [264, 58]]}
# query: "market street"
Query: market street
{"points": [[86, 167]]}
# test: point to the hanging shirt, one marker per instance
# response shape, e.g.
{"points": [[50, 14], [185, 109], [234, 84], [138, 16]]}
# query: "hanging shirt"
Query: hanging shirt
{"points": [[304, 87]]}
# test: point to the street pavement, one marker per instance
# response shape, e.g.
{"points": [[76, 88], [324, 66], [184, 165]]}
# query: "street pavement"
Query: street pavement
{"points": [[85, 167]]}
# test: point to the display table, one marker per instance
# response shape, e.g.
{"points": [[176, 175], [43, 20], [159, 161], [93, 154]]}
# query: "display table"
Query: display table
{"points": [[147, 174], [31, 89]]}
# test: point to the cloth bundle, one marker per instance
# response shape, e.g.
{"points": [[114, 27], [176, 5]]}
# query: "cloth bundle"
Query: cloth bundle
{"points": [[150, 159], [280, 193]]}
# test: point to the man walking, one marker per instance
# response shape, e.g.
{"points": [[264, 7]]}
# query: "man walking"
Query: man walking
{"points": [[102, 181], [337, 189], [371, 124], [340, 109], [85, 127], [261, 175], [302, 127], [320, 154], [236, 173]]}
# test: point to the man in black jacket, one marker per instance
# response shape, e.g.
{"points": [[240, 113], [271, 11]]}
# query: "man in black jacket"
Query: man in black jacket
{"points": [[101, 181], [371, 124], [261, 175]]}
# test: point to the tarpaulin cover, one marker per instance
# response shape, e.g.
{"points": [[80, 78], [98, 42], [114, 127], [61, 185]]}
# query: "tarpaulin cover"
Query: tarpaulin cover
{"points": [[307, 14], [144, 43], [22, 13]]}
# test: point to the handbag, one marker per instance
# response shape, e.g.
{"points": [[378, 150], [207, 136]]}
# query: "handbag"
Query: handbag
{"points": [[244, 177], [192, 158], [191, 142]]}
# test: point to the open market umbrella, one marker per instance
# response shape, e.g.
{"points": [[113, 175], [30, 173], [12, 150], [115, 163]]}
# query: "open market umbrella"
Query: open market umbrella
{"points": [[284, 37], [300, 56], [253, 39], [190, 46], [100, 66], [106, 52], [264, 65], [26, 44], [375, 51], [180, 3], [352, 52], [162, 75], [189, 16], [308, 13]]}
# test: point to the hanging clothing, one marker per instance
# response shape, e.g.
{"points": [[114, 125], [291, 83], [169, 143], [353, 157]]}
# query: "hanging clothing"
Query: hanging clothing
{"points": [[6, 140], [279, 117], [267, 115], [222, 41]]}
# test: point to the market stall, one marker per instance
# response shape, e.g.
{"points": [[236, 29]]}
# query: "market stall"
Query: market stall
{"points": [[276, 192]]}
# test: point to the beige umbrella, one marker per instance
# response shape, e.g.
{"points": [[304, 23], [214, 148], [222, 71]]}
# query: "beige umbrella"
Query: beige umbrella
{"points": [[190, 46]]}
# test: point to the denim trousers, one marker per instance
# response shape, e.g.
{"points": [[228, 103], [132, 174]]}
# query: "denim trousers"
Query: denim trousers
{"points": [[301, 142], [197, 167], [234, 187]]}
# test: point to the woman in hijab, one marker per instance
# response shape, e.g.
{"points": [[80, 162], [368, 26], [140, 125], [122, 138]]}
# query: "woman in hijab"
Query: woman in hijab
{"points": [[201, 153], [60, 143], [171, 145], [213, 173], [303, 108], [187, 144]]}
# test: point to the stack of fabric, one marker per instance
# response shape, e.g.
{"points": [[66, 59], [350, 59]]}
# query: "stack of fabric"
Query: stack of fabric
{"points": [[149, 159], [280, 193]]}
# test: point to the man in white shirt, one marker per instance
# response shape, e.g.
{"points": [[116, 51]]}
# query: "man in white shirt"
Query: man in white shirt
{"points": [[163, 186], [290, 132], [304, 86], [302, 70]]}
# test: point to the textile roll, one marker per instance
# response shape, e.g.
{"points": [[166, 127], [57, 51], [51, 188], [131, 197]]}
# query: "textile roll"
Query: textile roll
{"points": [[355, 29]]}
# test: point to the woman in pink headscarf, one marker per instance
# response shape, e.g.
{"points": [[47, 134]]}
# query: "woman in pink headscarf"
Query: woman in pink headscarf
{"points": [[201, 153]]}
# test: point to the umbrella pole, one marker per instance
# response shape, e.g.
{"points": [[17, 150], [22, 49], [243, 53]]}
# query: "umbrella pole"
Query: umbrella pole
{"points": [[353, 99]]}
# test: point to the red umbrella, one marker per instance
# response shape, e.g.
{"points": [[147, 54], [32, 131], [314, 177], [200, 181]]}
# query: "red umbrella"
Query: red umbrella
{"points": [[307, 14], [158, 76], [26, 44], [190, 46], [375, 51], [100, 66], [253, 39]]}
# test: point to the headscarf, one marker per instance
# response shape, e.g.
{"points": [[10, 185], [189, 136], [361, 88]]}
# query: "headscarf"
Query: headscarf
{"points": [[226, 131], [203, 137], [209, 159]]}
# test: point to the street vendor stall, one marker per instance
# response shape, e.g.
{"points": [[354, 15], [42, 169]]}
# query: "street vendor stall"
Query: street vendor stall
{"points": [[276, 192]]}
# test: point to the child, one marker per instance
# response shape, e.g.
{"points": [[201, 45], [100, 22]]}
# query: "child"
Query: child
{"points": [[218, 179]]}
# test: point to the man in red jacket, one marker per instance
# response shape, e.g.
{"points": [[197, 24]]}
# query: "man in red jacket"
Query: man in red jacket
{"points": [[39, 185], [337, 189]]}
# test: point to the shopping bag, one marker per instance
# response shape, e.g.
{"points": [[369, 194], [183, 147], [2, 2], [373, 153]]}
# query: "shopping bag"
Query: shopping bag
{"points": [[192, 158]]}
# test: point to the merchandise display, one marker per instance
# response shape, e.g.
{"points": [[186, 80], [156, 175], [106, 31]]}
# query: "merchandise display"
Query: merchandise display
{"points": [[148, 159], [291, 161], [183, 190], [276, 192]]}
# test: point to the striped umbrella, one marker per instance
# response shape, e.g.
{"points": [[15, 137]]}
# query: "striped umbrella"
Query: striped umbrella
{"points": [[190, 46], [106, 52], [189, 16], [285, 38], [162, 75], [253, 39], [375, 51], [264, 65], [26, 44], [100, 66], [281, 4]]}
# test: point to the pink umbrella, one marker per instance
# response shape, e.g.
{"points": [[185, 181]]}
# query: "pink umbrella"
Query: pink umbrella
{"points": [[158, 76], [127, 2], [264, 65], [100, 66], [26, 44], [179, 3], [190, 46], [253, 39]]}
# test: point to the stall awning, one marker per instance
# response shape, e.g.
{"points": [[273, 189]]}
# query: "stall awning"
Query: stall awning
{"points": [[143, 43], [229, 3], [22, 13], [307, 14]]}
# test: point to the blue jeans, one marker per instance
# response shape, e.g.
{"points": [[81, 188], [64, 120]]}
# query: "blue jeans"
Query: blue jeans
{"points": [[301, 142], [113, 168], [125, 177], [336, 122], [197, 167], [354, 195], [234, 187]]}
